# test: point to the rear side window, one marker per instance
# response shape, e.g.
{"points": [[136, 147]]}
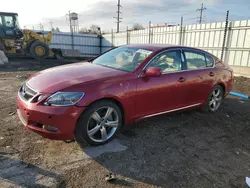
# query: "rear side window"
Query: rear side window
{"points": [[195, 60], [210, 61]]}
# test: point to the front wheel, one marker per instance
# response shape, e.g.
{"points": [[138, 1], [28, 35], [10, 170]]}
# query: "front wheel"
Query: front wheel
{"points": [[39, 50], [99, 123], [214, 99]]}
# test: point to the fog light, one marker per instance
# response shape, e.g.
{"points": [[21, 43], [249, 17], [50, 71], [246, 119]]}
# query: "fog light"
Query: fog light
{"points": [[50, 128]]}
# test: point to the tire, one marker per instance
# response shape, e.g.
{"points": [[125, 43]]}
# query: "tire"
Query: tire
{"points": [[39, 50], [210, 106], [85, 132], [58, 56], [2, 48]]}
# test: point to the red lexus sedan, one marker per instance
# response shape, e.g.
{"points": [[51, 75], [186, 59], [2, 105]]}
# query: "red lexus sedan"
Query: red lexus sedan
{"points": [[91, 101]]}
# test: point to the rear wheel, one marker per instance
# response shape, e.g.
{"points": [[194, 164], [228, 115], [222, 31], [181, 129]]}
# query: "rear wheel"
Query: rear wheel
{"points": [[214, 99], [99, 123], [39, 50]]}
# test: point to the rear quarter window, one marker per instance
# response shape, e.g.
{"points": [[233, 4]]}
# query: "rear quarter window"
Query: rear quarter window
{"points": [[210, 61]]}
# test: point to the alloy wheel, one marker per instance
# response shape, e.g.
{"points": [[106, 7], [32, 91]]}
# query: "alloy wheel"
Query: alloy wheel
{"points": [[102, 124], [215, 99]]}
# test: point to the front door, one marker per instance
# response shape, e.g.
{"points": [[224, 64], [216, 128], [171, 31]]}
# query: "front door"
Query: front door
{"points": [[164, 93]]}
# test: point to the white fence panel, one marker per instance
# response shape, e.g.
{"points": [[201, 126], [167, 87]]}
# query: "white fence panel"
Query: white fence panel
{"points": [[87, 44], [208, 37]]}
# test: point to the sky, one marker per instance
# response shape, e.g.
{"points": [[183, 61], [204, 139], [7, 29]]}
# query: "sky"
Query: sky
{"points": [[101, 12]]}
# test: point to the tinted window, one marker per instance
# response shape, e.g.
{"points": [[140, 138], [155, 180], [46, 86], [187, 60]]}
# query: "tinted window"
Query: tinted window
{"points": [[195, 60], [1, 23], [169, 61], [210, 61]]}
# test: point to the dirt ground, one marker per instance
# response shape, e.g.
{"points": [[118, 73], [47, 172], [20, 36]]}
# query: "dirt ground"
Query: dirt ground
{"points": [[190, 149]]}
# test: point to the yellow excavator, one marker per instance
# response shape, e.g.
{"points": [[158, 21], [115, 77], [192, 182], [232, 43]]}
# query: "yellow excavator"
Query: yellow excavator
{"points": [[17, 42]]}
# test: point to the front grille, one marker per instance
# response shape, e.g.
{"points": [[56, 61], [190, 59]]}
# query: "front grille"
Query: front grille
{"points": [[26, 92]]}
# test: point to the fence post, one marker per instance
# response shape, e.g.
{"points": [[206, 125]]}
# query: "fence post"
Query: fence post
{"points": [[127, 36], [100, 37], [228, 42], [224, 38], [149, 32], [112, 38], [180, 42]]}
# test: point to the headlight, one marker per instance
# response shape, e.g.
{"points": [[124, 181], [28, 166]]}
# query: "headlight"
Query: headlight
{"points": [[64, 99]]}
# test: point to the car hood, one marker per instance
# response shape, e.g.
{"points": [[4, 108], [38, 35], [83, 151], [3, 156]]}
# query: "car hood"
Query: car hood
{"points": [[58, 78]]}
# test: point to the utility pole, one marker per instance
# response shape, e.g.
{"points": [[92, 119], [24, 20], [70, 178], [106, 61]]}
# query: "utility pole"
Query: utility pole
{"points": [[70, 23], [51, 25], [41, 26], [118, 18], [201, 12]]}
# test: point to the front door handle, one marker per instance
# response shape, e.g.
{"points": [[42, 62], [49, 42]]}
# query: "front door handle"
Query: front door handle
{"points": [[181, 79], [211, 74]]}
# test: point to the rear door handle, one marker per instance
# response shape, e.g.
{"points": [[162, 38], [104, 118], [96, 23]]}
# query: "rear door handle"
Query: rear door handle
{"points": [[211, 74], [181, 79]]}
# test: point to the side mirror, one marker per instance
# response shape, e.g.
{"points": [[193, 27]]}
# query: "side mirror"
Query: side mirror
{"points": [[153, 72]]}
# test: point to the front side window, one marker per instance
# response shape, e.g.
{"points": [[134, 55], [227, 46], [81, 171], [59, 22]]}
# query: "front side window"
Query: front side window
{"points": [[169, 61], [9, 22], [17, 23], [123, 58], [1, 22], [195, 60]]}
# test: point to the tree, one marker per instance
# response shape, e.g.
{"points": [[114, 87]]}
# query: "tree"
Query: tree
{"points": [[57, 29], [94, 29], [137, 26], [84, 31]]}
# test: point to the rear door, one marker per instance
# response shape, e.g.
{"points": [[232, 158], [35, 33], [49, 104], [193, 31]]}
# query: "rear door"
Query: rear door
{"points": [[200, 75]]}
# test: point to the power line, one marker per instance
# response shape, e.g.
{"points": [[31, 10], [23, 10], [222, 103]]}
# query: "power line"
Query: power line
{"points": [[201, 12], [163, 9], [118, 18]]}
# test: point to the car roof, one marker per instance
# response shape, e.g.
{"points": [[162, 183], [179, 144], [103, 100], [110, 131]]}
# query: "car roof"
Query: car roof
{"points": [[157, 47], [153, 47], [8, 13]]}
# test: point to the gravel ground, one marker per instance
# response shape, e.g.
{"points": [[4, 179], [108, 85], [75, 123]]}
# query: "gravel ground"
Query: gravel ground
{"points": [[190, 149]]}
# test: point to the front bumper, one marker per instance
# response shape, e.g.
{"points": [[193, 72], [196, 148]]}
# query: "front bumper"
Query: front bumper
{"points": [[35, 117]]}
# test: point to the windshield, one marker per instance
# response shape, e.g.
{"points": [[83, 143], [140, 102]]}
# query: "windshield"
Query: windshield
{"points": [[123, 58], [9, 22]]}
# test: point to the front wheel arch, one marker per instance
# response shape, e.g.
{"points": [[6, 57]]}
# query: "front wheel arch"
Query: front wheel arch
{"points": [[80, 133], [117, 102]]}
